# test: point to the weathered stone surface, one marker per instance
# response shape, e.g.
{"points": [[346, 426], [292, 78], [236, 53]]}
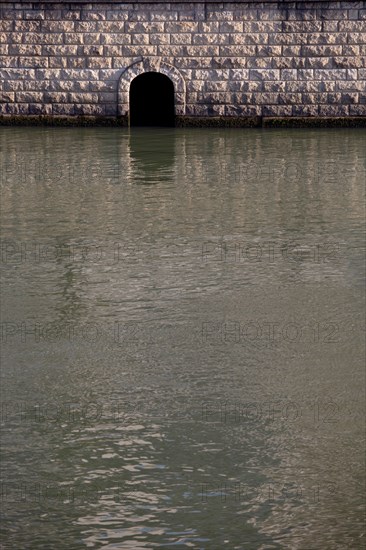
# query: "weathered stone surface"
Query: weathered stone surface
{"points": [[25, 49], [28, 97], [230, 60], [333, 110], [277, 110], [7, 97], [305, 110], [357, 110], [33, 61]]}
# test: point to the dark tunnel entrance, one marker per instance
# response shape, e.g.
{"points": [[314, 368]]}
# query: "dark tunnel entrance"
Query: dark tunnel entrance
{"points": [[152, 100]]}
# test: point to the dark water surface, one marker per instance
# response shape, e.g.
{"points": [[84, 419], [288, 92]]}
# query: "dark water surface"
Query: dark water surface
{"points": [[183, 350]]}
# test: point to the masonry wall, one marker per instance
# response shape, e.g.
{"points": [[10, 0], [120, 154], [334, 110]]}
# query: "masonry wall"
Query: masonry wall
{"points": [[274, 59]]}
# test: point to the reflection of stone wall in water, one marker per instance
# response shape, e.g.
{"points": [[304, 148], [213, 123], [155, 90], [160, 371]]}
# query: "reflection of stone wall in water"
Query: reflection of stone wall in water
{"points": [[226, 60]]}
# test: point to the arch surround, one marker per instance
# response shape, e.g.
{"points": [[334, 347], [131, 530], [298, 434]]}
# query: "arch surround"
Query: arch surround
{"points": [[151, 64]]}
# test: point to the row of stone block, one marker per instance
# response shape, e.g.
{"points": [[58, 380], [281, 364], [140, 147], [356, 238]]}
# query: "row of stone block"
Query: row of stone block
{"points": [[63, 109], [188, 63], [352, 44], [70, 26], [164, 12], [182, 44], [209, 98], [190, 74], [110, 86], [176, 51]]}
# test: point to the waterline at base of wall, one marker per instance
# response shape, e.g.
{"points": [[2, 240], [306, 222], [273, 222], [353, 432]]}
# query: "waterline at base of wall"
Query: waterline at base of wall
{"points": [[191, 122]]}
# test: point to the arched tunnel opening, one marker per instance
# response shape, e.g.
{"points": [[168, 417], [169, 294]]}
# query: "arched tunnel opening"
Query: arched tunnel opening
{"points": [[152, 100]]}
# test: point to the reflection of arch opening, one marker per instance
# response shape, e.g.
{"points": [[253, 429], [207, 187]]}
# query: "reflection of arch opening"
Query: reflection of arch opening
{"points": [[152, 100]]}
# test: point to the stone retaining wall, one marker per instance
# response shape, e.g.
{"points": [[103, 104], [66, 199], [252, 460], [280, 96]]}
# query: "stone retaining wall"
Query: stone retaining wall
{"points": [[253, 59]]}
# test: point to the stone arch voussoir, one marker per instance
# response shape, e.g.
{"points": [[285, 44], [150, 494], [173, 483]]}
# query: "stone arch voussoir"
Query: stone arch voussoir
{"points": [[151, 64]]}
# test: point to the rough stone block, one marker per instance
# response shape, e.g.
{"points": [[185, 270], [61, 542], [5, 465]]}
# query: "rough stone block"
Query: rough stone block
{"points": [[74, 38], [250, 38], [262, 26], [204, 51], [353, 50], [229, 62], [301, 26], [334, 110], [264, 74], [83, 98], [136, 51], [54, 97], [57, 62], [60, 50], [33, 14], [83, 26], [14, 74], [320, 63], [6, 25], [207, 38], [161, 38], [305, 110], [67, 14], [27, 26], [350, 98], [328, 51], [179, 26], [148, 27], [254, 86], [113, 39], [348, 62], [163, 16], [25, 49], [273, 51], [243, 110], [259, 62], [231, 27], [33, 61], [265, 98], [327, 38], [94, 51], [7, 61], [351, 26], [29, 97], [111, 26], [207, 27], [220, 15], [288, 39], [108, 97], [75, 74], [58, 26], [94, 15], [289, 98], [357, 110], [277, 110], [13, 85], [7, 97], [196, 62], [351, 86], [99, 63], [272, 86], [293, 86], [331, 74], [63, 109], [289, 63]]}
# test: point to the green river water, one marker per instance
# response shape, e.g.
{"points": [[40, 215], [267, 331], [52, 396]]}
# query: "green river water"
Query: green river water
{"points": [[183, 361]]}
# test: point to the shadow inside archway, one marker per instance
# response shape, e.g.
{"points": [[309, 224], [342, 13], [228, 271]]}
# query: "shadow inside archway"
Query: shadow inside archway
{"points": [[152, 100]]}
